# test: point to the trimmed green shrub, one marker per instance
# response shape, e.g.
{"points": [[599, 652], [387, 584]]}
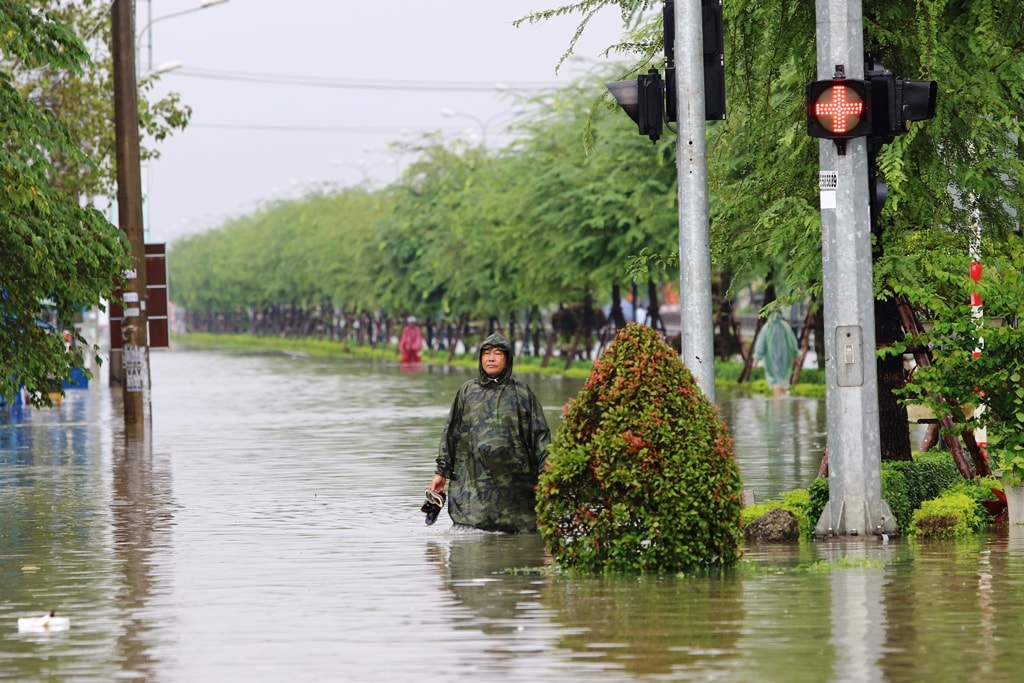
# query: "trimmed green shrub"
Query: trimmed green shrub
{"points": [[906, 484], [927, 475], [799, 502], [979, 489], [896, 493], [641, 475], [953, 515], [817, 497], [752, 512]]}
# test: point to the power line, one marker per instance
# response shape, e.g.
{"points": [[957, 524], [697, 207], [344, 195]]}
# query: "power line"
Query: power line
{"points": [[308, 129], [357, 83], [344, 130]]}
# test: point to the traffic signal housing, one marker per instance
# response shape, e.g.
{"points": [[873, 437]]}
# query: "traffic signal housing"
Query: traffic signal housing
{"points": [[915, 101], [897, 102], [637, 97], [714, 60], [839, 109], [644, 101]]}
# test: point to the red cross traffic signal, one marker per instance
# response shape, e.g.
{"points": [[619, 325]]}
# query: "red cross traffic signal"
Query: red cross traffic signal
{"points": [[838, 109]]}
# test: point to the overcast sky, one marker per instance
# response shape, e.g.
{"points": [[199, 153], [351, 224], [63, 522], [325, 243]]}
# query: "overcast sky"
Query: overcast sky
{"points": [[261, 132]]}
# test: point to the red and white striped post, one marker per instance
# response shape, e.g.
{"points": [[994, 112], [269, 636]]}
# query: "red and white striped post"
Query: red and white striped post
{"points": [[977, 314]]}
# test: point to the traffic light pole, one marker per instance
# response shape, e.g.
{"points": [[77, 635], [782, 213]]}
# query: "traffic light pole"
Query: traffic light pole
{"points": [[855, 504], [696, 330]]}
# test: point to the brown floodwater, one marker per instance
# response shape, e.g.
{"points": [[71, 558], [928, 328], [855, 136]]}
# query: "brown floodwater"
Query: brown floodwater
{"points": [[269, 530]]}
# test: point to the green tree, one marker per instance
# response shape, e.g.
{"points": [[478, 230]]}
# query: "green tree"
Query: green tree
{"points": [[83, 99], [448, 255], [977, 362], [52, 247], [589, 208], [321, 248], [951, 175]]}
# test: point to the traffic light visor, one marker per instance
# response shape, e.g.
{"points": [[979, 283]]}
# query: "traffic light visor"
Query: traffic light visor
{"points": [[918, 99], [838, 109]]}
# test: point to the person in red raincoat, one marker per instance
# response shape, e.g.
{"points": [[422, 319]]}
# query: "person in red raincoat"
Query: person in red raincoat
{"points": [[410, 343]]}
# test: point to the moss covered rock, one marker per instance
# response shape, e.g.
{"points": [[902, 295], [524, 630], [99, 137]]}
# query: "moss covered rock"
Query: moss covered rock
{"points": [[774, 526], [641, 475]]}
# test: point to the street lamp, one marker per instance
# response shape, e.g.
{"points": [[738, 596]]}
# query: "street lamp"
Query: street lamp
{"points": [[483, 124], [150, 21], [365, 167], [164, 67]]}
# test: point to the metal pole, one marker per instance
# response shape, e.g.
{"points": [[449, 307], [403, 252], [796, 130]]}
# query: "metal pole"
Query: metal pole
{"points": [[854, 452], [135, 345], [149, 35], [698, 347]]}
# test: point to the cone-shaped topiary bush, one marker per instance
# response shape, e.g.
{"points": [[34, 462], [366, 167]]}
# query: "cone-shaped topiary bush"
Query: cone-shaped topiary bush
{"points": [[641, 475]]}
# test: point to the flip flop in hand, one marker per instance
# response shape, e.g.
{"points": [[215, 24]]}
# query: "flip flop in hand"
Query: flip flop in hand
{"points": [[432, 506]]}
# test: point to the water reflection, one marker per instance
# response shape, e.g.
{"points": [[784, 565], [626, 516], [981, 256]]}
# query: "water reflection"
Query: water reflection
{"points": [[496, 585], [779, 441], [649, 626], [142, 512], [858, 625], [54, 539], [494, 576]]}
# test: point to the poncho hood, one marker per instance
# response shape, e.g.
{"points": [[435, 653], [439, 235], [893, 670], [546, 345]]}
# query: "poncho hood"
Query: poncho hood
{"points": [[496, 341]]}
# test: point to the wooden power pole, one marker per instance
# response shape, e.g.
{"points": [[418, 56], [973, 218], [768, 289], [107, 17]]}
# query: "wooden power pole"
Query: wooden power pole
{"points": [[135, 344]]}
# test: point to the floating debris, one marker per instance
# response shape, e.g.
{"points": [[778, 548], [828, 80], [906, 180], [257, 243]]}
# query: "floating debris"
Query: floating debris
{"points": [[47, 622]]}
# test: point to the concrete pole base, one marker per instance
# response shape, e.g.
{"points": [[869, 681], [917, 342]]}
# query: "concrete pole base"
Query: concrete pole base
{"points": [[832, 524]]}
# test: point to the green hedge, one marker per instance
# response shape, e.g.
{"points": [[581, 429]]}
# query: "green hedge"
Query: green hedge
{"points": [[906, 484], [951, 515]]}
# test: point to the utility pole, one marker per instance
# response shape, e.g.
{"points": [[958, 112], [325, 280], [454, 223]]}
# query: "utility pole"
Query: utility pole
{"points": [[855, 504], [696, 330], [693, 92], [135, 344]]}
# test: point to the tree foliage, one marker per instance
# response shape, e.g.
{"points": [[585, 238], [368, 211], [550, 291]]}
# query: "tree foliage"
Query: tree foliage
{"points": [[83, 99], [580, 202], [52, 247], [324, 247], [468, 231], [977, 361], [953, 173], [56, 161]]}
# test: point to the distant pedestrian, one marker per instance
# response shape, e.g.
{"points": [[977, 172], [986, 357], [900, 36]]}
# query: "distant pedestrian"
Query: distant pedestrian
{"points": [[776, 348], [410, 343]]}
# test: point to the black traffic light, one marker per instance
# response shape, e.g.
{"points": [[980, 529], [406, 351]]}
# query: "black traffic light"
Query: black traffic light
{"points": [[638, 98], [897, 102], [713, 40], [838, 109], [714, 60], [651, 100], [916, 102], [644, 101], [878, 192]]}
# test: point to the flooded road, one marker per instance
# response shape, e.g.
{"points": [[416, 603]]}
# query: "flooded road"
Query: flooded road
{"points": [[271, 532]]}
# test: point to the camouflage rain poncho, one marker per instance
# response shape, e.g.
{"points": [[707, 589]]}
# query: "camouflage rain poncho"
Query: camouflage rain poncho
{"points": [[493, 445]]}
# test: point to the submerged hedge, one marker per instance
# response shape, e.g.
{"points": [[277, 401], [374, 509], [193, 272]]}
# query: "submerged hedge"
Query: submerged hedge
{"points": [[641, 475]]}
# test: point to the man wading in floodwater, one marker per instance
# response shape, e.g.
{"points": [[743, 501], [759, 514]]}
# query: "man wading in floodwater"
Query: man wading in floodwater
{"points": [[493, 446]]}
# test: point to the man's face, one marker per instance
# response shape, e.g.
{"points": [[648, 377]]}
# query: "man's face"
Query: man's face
{"points": [[493, 360]]}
